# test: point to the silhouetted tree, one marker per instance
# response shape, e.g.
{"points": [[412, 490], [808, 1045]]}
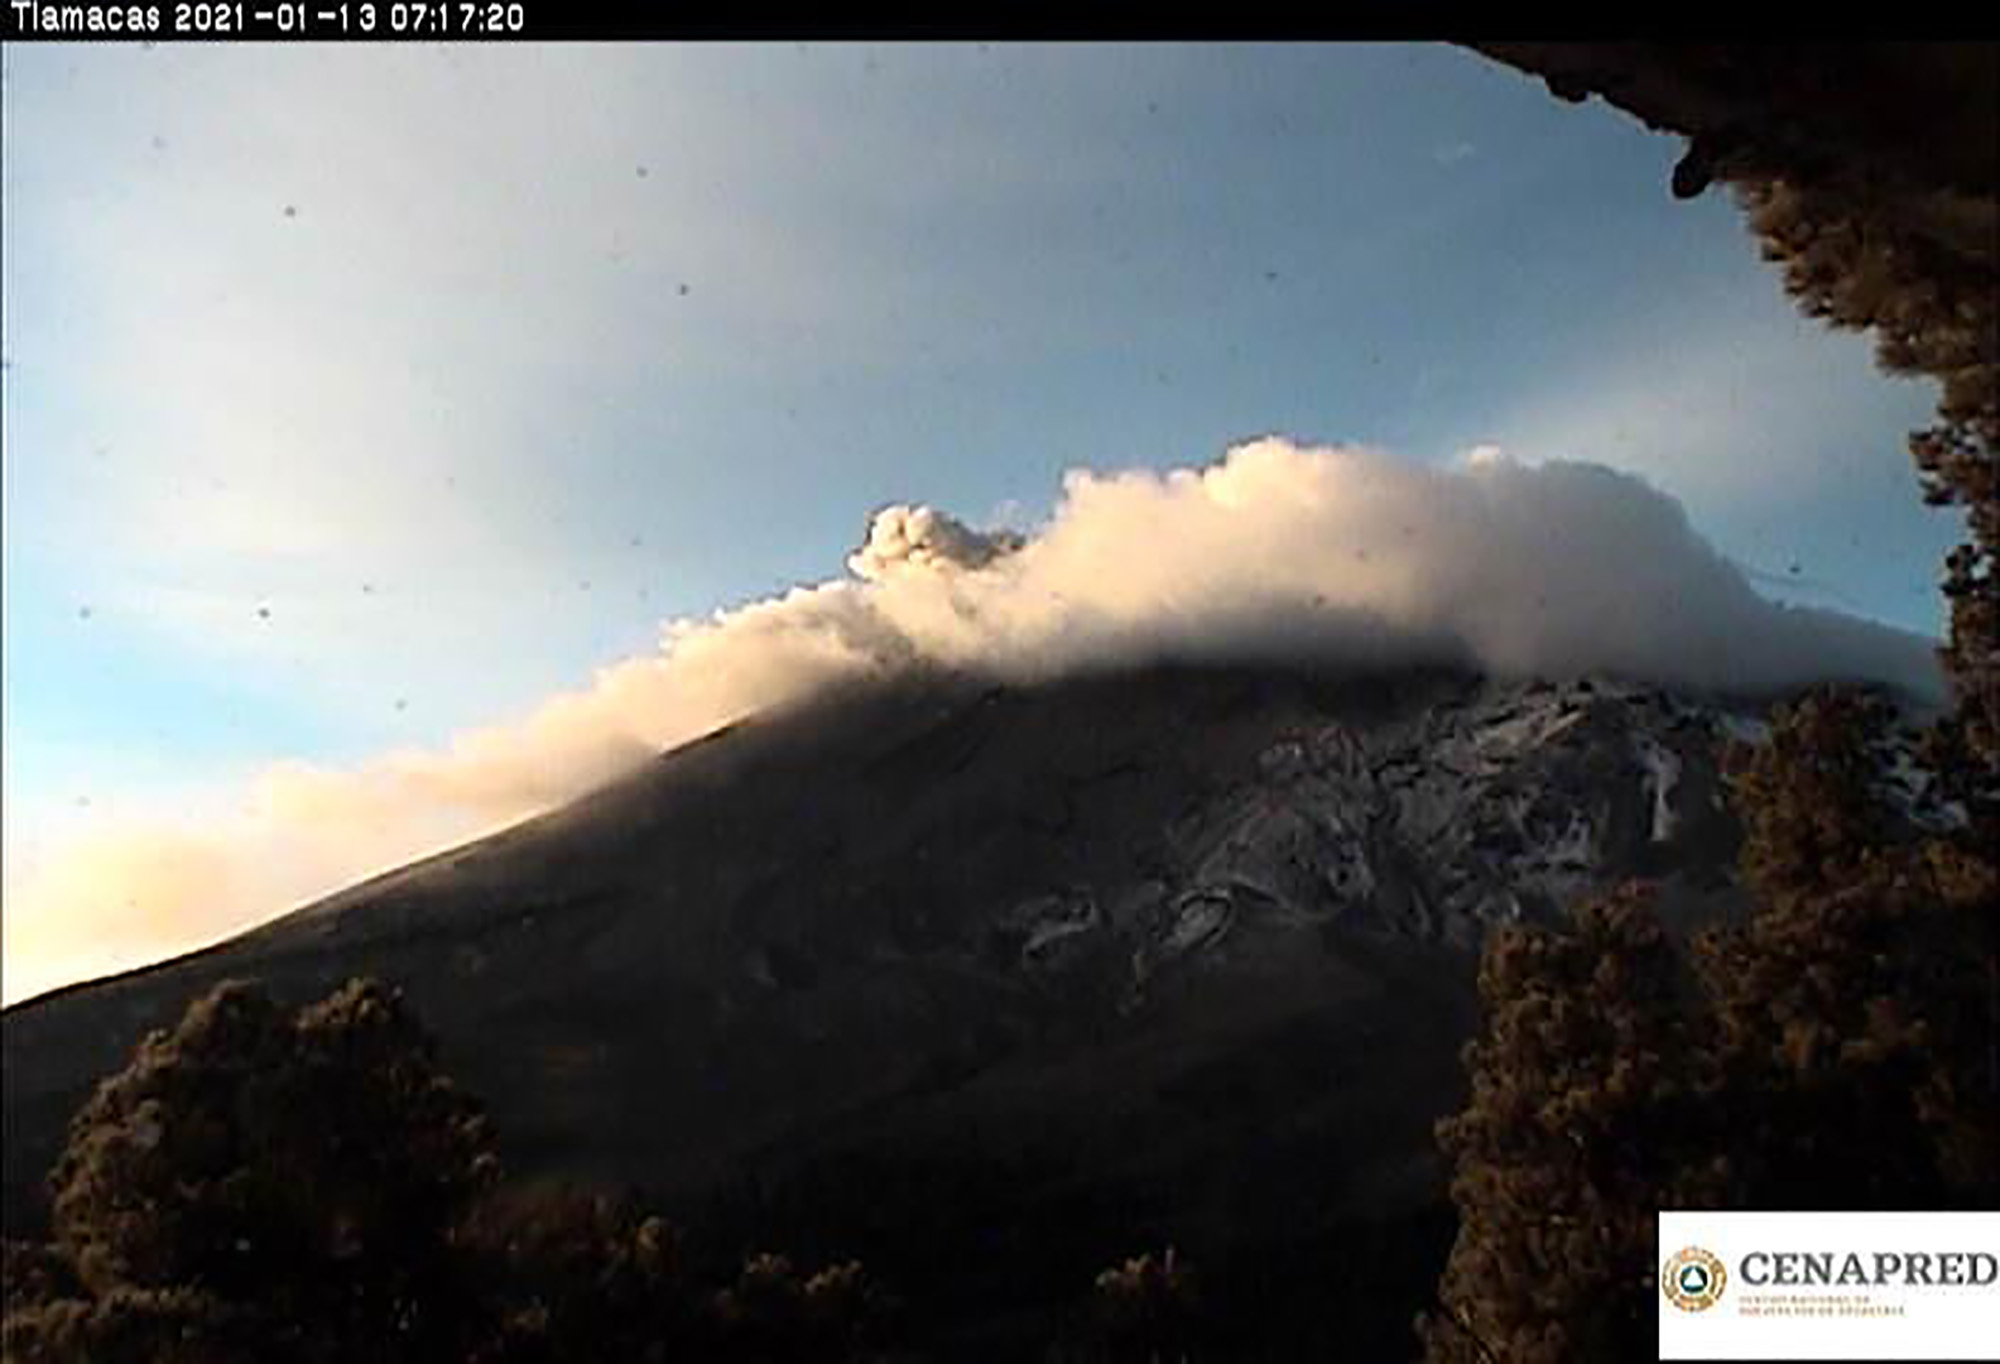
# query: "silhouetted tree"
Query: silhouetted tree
{"points": [[569, 1276], [1847, 1029], [1835, 1049], [273, 1182], [774, 1314], [1937, 314], [1853, 1016], [1147, 1310], [1587, 1113], [130, 1326], [261, 1185]]}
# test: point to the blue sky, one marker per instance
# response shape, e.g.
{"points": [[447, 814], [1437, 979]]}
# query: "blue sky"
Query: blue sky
{"points": [[356, 397]]}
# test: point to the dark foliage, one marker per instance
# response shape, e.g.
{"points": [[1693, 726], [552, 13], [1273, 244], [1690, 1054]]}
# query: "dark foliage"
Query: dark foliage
{"points": [[567, 1275], [1835, 1050], [1933, 313], [1588, 1112], [266, 1182], [260, 1185], [1861, 997], [1148, 1310], [774, 1312]]}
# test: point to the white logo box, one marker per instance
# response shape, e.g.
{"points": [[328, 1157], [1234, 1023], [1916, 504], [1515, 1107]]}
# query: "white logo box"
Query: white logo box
{"points": [[1836, 1285]]}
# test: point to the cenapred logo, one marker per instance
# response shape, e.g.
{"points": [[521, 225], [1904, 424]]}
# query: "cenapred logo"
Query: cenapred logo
{"points": [[1693, 1279], [1828, 1285]]}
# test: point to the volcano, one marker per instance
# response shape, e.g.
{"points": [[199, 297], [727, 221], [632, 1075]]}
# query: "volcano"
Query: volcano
{"points": [[990, 985]]}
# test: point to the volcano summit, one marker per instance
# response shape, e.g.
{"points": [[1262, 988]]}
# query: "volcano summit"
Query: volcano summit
{"points": [[988, 983]]}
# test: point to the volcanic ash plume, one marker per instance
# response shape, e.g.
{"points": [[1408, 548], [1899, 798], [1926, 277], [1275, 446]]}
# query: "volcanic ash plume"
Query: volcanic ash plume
{"points": [[1279, 553], [924, 537]]}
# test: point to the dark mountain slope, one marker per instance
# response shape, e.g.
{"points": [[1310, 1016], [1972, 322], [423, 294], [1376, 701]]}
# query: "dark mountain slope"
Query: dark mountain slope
{"points": [[992, 983]]}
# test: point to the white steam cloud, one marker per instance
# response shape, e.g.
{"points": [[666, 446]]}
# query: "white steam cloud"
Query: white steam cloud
{"points": [[1279, 552]]}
